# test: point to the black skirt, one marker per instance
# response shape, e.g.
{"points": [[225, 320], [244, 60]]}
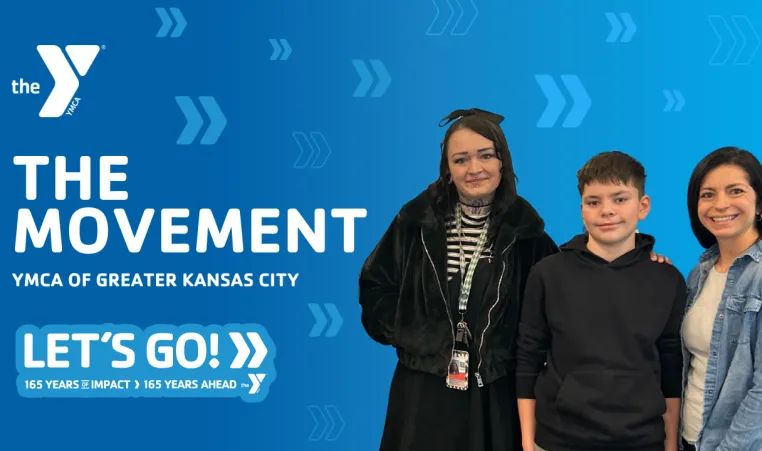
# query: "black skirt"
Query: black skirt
{"points": [[425, 415]]}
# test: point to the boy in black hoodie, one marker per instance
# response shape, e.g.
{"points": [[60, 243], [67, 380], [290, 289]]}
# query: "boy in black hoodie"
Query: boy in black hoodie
{"points": [[599, 363]]}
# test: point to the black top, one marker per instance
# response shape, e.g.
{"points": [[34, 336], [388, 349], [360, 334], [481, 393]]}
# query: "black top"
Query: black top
{"points": [[423, 414], [609, 332], [479, 285]]}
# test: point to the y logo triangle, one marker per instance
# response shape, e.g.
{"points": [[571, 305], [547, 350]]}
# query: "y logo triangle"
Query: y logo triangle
{"points": [[65, 80]]}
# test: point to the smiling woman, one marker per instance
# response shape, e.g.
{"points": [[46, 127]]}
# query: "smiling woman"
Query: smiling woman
{"points": [[443, 287], [474, 166], [728, 206], [722, 330]]}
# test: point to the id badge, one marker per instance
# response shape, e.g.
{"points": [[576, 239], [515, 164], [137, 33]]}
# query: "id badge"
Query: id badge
{"points": [[457, 374]]}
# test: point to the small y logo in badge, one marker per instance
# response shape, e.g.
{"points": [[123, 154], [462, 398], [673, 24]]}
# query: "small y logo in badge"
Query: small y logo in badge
{"points": [[65, 81]]}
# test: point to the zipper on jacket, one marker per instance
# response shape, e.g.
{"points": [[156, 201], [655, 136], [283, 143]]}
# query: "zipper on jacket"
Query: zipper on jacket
{"points": [[478, 375], [441, 292]]}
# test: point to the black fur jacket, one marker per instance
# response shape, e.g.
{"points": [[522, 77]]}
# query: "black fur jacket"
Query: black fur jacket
{"points": [[403, 289]]}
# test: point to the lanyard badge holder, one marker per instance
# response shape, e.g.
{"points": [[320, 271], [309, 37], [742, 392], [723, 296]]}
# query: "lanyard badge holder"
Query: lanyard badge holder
{"points": [[457, 374]]}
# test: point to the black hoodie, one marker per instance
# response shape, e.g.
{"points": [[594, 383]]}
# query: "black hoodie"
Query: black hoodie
{"points": [[609, 332]]}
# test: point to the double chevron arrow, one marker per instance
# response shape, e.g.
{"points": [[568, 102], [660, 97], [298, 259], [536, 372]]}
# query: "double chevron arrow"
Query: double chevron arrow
{"points": [[616, 34], [217, 120], [166, 22], [281, 49], [366, 78], [557, 102], [315, 145], [744, 47], [321, 321], [465, 20], [243, 353], [330, 430], [675, 100]]}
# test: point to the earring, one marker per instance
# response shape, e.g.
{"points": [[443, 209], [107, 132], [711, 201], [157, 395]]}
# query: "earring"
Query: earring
{"points": [[758, 217]]}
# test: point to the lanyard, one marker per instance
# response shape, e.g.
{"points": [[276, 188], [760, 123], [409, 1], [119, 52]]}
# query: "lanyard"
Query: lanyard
{"points": [[465, 286]]}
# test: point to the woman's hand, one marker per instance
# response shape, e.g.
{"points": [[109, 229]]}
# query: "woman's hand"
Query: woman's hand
{"points": [[659, 258]]}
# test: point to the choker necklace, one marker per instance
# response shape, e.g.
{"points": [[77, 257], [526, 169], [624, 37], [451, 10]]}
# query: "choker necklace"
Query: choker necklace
{"points": [[475, 209], [476, 205]]}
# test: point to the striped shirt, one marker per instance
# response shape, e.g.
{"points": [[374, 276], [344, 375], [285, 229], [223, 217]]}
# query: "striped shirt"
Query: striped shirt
{"points": [[472, 222]]}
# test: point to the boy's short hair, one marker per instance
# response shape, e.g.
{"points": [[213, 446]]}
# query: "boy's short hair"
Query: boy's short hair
{"points": [[612, 167]]}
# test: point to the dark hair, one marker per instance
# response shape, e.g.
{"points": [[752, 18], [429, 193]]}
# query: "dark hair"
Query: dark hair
{"points": [[487, 125], [722, 156], [612, 167]]}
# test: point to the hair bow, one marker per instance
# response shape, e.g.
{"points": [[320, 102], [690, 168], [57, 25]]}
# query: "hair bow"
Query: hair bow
{"points": [[457, 114]]}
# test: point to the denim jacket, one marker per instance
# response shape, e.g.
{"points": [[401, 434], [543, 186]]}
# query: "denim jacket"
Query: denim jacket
{"points": [[732, 419]]}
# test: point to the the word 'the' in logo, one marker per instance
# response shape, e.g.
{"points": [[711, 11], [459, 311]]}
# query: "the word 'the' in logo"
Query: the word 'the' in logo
{"points": [[65, 80]]}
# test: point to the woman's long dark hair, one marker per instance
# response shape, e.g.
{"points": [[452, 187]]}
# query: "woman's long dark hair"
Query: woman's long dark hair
{"points": [[487, 125]]}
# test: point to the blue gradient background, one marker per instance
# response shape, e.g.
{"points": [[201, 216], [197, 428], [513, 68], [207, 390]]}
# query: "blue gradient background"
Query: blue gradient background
{"points": [[384, 151]]}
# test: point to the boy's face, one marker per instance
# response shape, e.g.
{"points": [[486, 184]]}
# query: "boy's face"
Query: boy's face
{"points": [[611, 211]]}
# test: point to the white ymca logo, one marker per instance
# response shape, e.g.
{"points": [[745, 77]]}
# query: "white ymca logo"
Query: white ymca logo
{"points": [[65, 80]]}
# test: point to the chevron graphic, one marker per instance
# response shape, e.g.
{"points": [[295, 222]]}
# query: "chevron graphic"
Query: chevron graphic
{"points": [[366, 78], [281, 49], [466, 16], [321, 320], [217, 120], [166, 22], [557, 102], [740, 40], [313, 146], [244, 351], [333, 424], [616, 27], [675, 101]]}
